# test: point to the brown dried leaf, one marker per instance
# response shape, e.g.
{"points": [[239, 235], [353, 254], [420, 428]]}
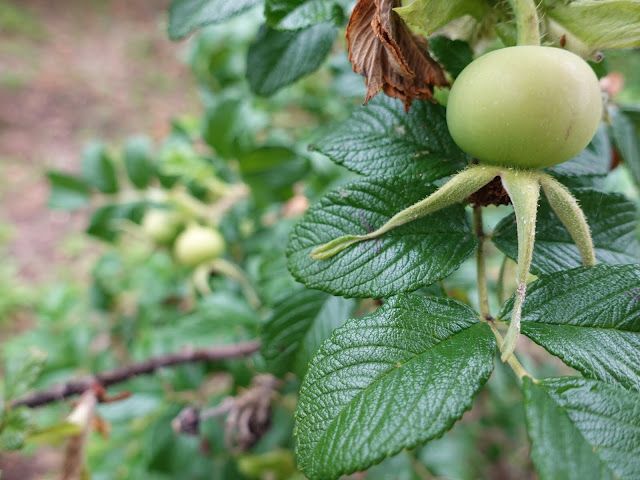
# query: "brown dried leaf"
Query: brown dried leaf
{"points": [[389, 55]]}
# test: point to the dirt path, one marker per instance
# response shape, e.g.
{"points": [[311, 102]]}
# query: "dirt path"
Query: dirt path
{"points": [[77, 70]]}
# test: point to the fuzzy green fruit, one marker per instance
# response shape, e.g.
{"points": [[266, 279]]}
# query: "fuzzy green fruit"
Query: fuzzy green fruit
{"points": [[197, 245], [161, 225], [525, 107]]}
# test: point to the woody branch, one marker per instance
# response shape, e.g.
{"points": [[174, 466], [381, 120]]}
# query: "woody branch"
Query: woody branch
{"points": [[119, 375]]}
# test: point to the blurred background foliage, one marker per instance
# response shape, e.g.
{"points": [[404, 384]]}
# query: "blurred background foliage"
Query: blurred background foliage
{"points": [[240, 164]]}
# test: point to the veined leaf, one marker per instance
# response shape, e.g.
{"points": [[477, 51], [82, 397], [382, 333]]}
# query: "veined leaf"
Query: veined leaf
{"points": [[186, 16], [611, 217], [583, 429], [399, 377], [600, 24], [590, 318], [279, 58], [297, 327], [430, 15], [402, 260], [381, 139], [297, 14]]}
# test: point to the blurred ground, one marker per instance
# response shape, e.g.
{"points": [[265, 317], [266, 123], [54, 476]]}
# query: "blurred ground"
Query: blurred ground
{"points": [[72, 70]]}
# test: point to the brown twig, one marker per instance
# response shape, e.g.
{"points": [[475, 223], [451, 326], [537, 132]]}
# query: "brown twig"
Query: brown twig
{"points": [[119, 375]]}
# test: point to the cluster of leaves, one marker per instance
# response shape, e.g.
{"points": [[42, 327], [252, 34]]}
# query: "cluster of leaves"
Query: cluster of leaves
{"points": [[377, 352]]}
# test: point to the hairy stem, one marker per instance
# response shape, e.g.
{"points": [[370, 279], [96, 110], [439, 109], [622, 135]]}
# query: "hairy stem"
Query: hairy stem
{"points": [[527, 21], [523, 187], [571, 215], [457, 189], [483, 292]]}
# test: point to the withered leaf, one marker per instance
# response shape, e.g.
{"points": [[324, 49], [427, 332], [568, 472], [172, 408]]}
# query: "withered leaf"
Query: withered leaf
{"points": [[389, 55]]}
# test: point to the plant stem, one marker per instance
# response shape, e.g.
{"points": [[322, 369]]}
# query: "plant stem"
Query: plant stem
{"points": [[483, 293], [514, 363], [146, 367], [500, 287], [527, 21]]}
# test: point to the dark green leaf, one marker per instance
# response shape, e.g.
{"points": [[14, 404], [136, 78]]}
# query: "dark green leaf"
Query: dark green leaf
{"points": [[67, 192], [381, 139], [279, 58], [220, 318], [298, 325], [106, 221], [98, 169], [397, 378], [612, 219], [271, 172], [453, 55], [627, 141], [590, 318], [188, 15], [138, 161], [226, 127], [583, 429], [272, 278], [297, 14], [404, 259]]}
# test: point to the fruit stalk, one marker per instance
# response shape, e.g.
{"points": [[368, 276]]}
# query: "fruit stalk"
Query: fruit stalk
{"points": [[527, 22]]}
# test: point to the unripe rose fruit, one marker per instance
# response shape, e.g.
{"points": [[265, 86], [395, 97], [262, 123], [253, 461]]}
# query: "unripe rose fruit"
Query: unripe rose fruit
{"points": [[525, 106], [197, 245], [161, 225]]}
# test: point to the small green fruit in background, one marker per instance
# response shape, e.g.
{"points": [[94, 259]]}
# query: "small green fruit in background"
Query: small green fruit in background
{"points": [[197, 244], [525, 107], [161, 226]]}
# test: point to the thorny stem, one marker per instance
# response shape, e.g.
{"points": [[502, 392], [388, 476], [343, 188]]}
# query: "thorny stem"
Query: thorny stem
{"points": [[483, 292], [527, 22], [514, 363]]}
